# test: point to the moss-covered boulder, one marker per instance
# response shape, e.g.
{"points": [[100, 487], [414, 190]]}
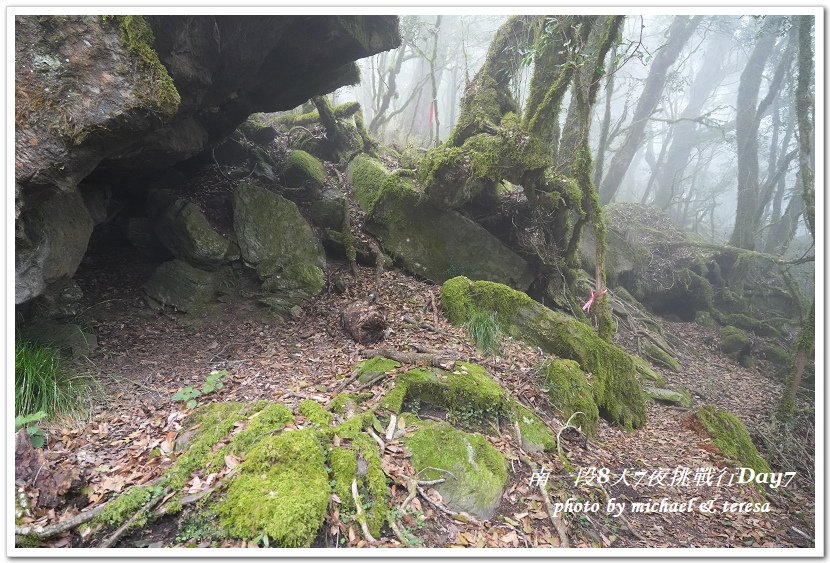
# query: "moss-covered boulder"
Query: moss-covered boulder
{"points": [[185, 231], [281, 490], [302, 170], [536, 436], [668, 396], [475, 471], [329, 212], [437, 243], [615, 386], [366, 175], [468, 393], [734, 342], [731, 437], [182, 286], [660, 357], [278, 241], [746, 322], [570, 393], [360, 461]]}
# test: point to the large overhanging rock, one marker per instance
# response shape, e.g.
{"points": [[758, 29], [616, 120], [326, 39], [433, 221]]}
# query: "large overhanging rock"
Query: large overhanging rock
{"points": [[144, 92]]}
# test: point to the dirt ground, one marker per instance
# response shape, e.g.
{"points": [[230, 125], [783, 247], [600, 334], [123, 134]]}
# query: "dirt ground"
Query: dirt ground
{"points": [[144, 357]]}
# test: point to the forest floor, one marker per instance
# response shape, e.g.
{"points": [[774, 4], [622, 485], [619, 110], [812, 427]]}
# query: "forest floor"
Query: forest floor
{"points": [[143, 357]]}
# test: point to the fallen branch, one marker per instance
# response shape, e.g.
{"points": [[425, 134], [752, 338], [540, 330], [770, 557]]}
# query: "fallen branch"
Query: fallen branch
{"points": [[112, 539], [60, 527], [404, 357], [452, 514], [361, 516], [556, 521], [345, 383]]}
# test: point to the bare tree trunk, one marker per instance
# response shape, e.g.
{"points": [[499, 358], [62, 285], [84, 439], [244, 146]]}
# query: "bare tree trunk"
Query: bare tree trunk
{"points": [[602, 146], [806, 115], [710, 75], [681, 29], [748, 118]]}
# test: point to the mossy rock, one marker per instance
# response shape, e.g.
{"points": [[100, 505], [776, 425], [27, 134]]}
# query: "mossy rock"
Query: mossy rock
{"points": [[330, 211], [731, 437], [269, 226], [475, 471], [536, 436], [745, 322], [438, 244], [646, 374], [69, 339], [300, 169], [660, 357], [346, 403], [468, 393], [616, 389], [369, 370], [366, 175], [735, 342], [183, 286], [569, 392], [777, 355], [281, 490], [705, 318], [668, 396], [188, 235]]}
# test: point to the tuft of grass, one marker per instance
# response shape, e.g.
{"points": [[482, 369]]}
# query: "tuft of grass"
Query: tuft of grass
{"points": [[42, 383], [485, 330]]}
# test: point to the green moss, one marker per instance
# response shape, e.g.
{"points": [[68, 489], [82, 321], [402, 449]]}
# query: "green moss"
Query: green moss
{"points": [[137, 34], [660, 357], [281, 490], [367, 175], [734, 341], [616, 390], [271, 418], [353, 427], [214, 421], [536, 436], [300, 168], [645, 372], [468, 393], [124, 506], [315, 413], [731, 437], [340, 403], [777, 355], [477, 471], [369, 369], [569, 392], [343, 464], [746, 322]]}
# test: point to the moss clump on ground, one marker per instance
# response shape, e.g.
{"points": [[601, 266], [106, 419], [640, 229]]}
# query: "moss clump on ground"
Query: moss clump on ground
{"points": [[731, 437], [372, 368], [301, 169], [474, 470], [777, 355], [468, 393], [272, 417], [616, 389], [660, 357], [367, 175], [137, 34], [281, 490], [569, 392], [123, 507], [536, 436], [315, 413], [214, 421], [734, 341], [342, 403]]}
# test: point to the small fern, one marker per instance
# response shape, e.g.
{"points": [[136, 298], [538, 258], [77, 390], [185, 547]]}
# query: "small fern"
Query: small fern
{"points": [[485, 330]]}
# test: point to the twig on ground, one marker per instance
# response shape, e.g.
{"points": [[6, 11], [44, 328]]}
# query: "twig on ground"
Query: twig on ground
{"points": [[361, 516], [115, 536]]}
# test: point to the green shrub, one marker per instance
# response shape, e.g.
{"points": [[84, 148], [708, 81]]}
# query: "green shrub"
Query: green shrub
{"points": [[42, 383], [484, 329]]}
